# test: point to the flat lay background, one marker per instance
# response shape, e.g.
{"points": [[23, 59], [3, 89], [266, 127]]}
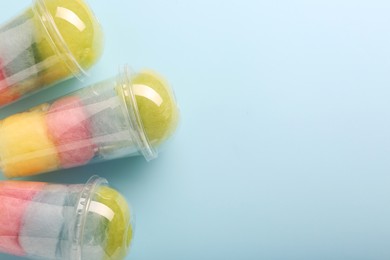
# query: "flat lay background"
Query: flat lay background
{"points": [[284, 143]]}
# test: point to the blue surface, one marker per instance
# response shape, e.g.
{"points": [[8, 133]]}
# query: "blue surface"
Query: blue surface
{"points": [[283, 149]]}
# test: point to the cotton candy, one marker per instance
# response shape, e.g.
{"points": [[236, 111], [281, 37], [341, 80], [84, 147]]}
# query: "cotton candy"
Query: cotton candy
{"points": [[3, 81], [156, 105], [15, 197], [21, 73], [95, 235], [15, 41], [80, 32], [18, 58], [7, 95], [109, 121], [25, 146], [70, 129], [43, 222], [119, 231], [53, 221]]}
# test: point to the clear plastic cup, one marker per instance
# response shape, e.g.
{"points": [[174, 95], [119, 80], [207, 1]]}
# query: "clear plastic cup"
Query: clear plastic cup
{"points": [[55, 221], [51, 41], [128, 115]]}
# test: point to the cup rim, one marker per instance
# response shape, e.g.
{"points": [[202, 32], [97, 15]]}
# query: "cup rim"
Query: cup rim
{"points": [[81, 212], [130, 101]]}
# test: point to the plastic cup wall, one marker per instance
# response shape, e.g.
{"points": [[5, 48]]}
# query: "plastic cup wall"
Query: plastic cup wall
{"points": [[98, 123]]}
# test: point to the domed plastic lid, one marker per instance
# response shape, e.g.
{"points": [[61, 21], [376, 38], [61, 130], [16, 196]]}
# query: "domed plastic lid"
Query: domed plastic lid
{"points": [[74, 32], [104, 228], [152, 106]]}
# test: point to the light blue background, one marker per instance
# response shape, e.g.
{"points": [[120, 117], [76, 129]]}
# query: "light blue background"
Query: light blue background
{"points": [[283, 148]]}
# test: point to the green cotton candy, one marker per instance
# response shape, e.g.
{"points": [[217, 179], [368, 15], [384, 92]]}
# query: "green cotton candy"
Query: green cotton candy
{"points": [[156, 105], [79, 31], [84, 36], [119, 230]]}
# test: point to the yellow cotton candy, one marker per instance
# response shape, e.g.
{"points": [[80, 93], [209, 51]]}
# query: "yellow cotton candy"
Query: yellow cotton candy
{"points": [[25, 147]]}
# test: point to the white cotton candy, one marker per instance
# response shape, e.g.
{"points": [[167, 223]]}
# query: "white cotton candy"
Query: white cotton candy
{"points": [[17, 54], [95, 230], [24, 70], [15, 41], [53, 194], [43, 223], [109, 122], [93, 252], [41, 231]]}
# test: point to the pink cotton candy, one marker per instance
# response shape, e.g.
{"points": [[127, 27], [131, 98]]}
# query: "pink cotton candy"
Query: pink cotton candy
{"points": [[14, 200], [70, 129], [7, 95], [3, 84]]}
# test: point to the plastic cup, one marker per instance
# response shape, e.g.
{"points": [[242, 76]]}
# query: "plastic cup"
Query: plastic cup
{"points": [[55, 221], [128, 115], [51, 41]]}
